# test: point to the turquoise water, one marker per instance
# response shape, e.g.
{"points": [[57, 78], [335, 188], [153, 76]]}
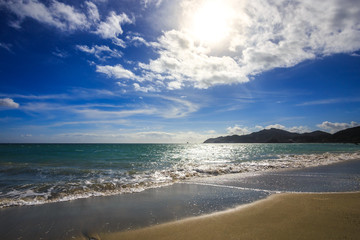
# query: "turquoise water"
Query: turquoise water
{"points": [[40, 173]]}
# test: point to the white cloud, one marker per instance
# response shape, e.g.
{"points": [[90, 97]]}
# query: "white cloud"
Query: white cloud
{"points": [[283, 33], [146, 3], [73, 18], [137, 40], [33, 9], [296, 129], [90, 112], [161, 106], [177, 108], [138, 88], [116, 71], [93, 12], [277, 126], [111, 28], [57, 14], [166, 107], [67, 18], [120, 84], [237, 130], [335, 127], [174, 85], [101, 52], [299, 129], [8, 103], [263, 35], [182, 61]]}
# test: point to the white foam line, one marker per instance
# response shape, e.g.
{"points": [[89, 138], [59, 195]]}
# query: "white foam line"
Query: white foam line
{"points": [[234, 187], [264, 190]]}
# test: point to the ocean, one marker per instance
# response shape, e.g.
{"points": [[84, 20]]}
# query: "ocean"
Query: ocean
{"points": [[32, 174]]}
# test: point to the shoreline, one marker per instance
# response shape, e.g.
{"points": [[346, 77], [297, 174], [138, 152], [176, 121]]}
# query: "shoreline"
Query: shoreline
{"points": [[323, 215], [107, 217], [279, 216], [298, 162]]}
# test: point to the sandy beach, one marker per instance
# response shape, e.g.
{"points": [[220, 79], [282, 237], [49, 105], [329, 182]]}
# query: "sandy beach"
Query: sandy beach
{"points": [[321, 211], [310, 203], [280, 216]]}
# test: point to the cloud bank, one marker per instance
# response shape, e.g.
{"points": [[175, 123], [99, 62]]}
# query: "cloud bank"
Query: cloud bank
{"points": [[247, 130], [237, 130], [57, 14], [263, 35], [65, 17], [335, 127]]}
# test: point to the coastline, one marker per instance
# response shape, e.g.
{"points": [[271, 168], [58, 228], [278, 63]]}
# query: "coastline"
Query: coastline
{"points": [[318, 212], [280, 216], [80, 173], [192, 202]]}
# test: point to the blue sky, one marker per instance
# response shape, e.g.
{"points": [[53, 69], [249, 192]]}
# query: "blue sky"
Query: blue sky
{"points": [[176, 71]]}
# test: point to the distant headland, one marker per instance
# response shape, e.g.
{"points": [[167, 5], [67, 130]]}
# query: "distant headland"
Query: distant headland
{"points": [[273, 135]]}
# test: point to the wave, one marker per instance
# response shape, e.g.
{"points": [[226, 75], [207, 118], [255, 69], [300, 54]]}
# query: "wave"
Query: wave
{"points": [[84, 183]]}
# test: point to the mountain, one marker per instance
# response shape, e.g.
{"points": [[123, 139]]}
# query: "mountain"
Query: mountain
{"points": [[350, 135], [273, 135], [314, 137]]}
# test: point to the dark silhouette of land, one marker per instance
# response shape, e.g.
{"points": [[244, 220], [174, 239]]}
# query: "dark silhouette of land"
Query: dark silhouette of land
{"points": [[273, 135]]}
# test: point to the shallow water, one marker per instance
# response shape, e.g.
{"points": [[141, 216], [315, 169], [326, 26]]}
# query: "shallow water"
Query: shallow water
{"points": [[86, 217], [40, 173], [339, 177], [82, 217]]}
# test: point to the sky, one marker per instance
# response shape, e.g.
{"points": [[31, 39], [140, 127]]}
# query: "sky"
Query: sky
{"points": [[164, 71]]}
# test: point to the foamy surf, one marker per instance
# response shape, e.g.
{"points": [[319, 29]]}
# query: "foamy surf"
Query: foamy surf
{"points": [[39, 182]]}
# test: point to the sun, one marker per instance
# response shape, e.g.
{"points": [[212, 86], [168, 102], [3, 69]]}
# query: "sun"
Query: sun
{"points": [[211, 22]]}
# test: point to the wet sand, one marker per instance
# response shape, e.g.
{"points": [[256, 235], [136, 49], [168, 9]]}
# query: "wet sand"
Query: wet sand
{"points": [[281, 216], [159, 213], [82, 217]]}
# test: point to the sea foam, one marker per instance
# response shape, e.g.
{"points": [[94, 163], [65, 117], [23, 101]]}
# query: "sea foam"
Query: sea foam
{"points": [[137, 182]]}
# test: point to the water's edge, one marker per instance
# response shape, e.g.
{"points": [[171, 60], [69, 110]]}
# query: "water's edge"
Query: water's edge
{"points": [[56, 174]]}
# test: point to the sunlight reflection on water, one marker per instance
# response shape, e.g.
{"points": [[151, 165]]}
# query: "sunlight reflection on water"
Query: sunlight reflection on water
{"points": [[34, 174]]}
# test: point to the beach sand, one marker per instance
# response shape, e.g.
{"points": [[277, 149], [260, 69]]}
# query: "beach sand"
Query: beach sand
{"points": [[280, 216], [223, 207]]}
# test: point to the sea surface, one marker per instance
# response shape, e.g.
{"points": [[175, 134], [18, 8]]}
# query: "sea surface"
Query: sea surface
{"points": [[33, 174]]}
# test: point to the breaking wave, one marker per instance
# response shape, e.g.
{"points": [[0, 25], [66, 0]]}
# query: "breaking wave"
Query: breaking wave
{"points": [[48, 184]]}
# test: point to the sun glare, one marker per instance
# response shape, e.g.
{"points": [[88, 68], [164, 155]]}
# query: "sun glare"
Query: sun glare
{"points": [[211, 22]]}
